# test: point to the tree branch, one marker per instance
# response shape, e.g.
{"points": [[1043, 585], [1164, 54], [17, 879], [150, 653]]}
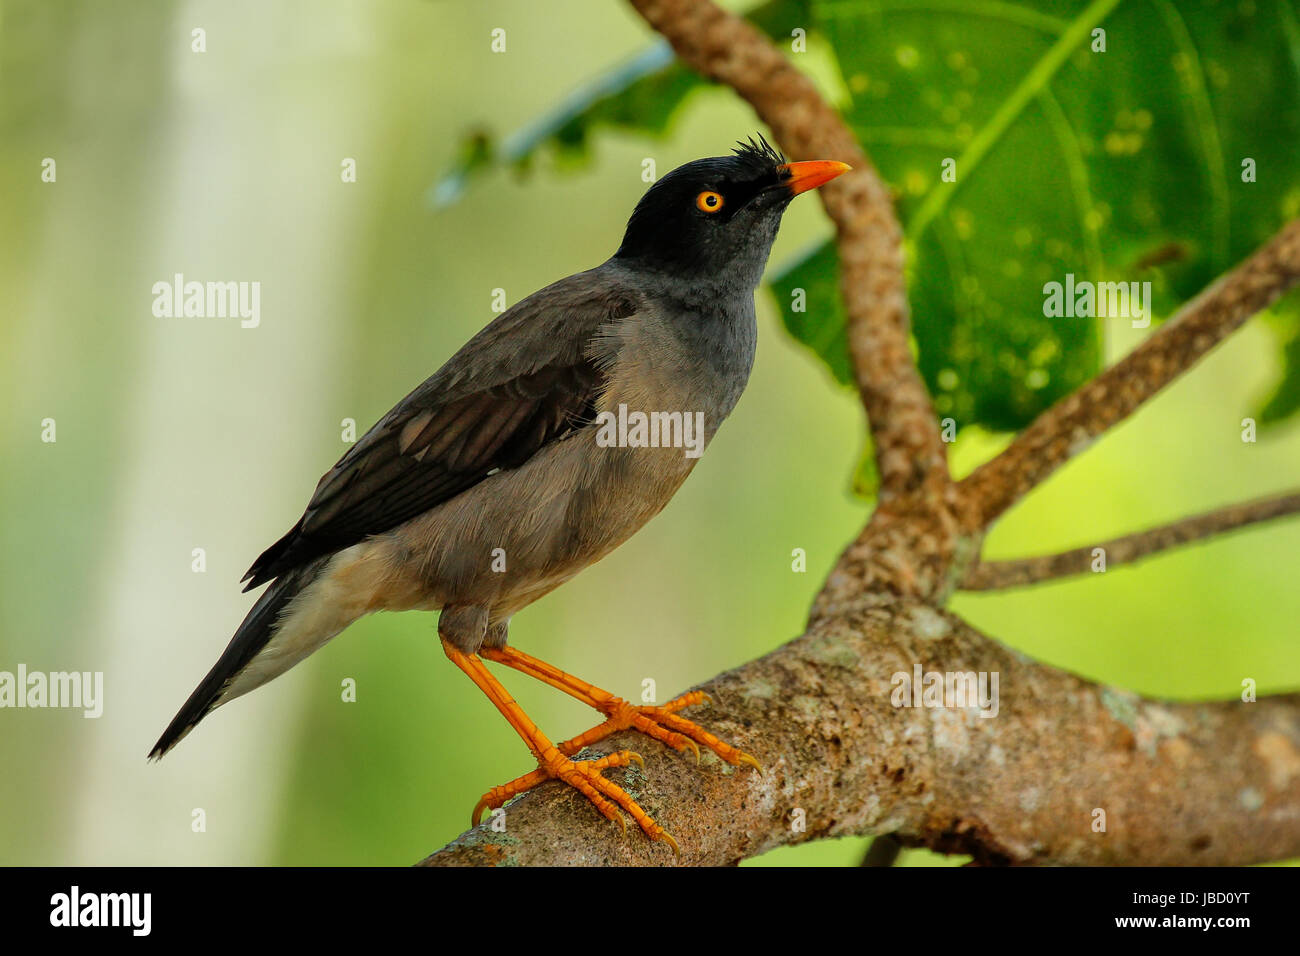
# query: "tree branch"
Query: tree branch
{"points": [[726, 48], [1174, 783], [884, 851], [1179, 783], [994, 575], [1073, 423]]}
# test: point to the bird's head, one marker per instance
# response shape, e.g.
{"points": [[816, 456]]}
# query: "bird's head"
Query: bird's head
{"points": [[717, 217]]}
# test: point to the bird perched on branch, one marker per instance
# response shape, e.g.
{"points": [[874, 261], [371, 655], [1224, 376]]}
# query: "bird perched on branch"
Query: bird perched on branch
{"points": [[503, 475]]}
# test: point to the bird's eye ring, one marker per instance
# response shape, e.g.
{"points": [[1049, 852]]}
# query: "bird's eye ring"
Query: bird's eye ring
{"points": [[708, 201]]}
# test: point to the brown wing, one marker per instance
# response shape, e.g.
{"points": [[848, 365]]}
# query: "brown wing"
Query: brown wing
{"points": [[524, 381]]}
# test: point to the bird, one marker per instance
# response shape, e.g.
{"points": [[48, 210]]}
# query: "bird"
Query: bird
{"points": [[553, 435]]}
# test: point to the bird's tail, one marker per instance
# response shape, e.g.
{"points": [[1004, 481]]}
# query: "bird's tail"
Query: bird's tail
{"points": [[258, 635]]}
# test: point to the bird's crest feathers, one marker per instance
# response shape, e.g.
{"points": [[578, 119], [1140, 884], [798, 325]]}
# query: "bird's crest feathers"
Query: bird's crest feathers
{"points": [[761, 151]]}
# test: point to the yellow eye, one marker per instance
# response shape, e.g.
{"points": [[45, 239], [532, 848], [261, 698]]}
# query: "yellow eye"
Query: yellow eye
{"points": [[708, 201]]}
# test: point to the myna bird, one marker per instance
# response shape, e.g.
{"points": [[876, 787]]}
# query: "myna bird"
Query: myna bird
{"points": [[551, 437]]}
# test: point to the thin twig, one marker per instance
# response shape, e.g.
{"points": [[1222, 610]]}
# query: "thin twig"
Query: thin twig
{"points": [[995, 575], [884, 851]]}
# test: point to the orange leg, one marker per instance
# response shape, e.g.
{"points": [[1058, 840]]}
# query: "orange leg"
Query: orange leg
{"points": [[661, 723], [583, 775]]}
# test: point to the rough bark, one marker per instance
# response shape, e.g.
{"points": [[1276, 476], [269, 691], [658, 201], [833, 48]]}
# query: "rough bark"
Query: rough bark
{"points": [[1178, 783]]}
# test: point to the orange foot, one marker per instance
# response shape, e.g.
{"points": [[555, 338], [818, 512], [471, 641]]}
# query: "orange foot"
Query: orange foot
{"points": [[662, 723], [583, 775]]}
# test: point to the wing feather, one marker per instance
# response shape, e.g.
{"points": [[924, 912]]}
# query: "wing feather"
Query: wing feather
{"points": [[525, 380]]}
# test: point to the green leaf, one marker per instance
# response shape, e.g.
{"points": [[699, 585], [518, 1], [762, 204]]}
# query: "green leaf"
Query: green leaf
{"points": [[1123, 165], [808, 293], [866, 477]]}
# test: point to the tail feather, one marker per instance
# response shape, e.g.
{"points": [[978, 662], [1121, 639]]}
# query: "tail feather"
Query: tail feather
{"points": [[252, 636], [271, 561]]}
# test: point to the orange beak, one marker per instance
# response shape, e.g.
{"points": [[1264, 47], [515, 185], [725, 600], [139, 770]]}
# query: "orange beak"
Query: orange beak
{"points": [[810, 175]]}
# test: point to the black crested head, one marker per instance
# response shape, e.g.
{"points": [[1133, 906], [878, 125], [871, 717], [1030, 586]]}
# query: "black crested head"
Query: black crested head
{"points": [[712, 220]]}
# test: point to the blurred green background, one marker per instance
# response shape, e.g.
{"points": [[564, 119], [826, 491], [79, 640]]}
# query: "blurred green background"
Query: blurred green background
{"points": [[176, 434]]}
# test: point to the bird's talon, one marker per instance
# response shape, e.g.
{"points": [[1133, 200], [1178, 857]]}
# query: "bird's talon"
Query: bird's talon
{"points": [[658, 722]]}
